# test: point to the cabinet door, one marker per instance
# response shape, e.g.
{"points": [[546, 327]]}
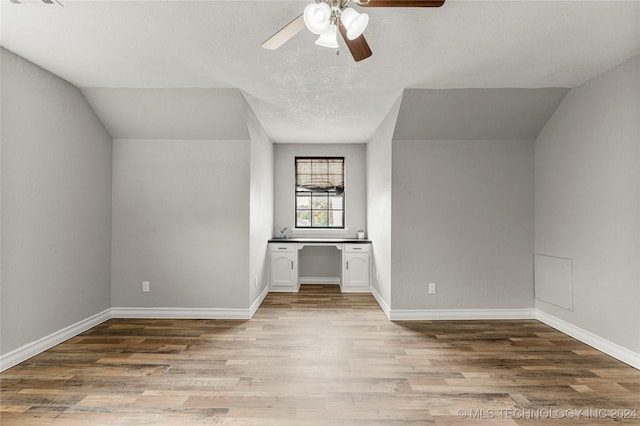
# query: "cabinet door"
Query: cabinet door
{"points": [[284, 271], [356, 270]]}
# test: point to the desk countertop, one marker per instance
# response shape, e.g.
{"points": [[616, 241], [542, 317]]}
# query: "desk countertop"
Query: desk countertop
{"points": [[320, 240]]}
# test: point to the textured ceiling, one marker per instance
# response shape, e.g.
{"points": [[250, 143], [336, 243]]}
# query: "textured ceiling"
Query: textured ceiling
{"points": [[305, 93]]}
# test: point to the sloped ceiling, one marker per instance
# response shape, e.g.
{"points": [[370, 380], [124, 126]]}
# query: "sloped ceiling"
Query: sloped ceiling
{"points": [[303, 92], [170, 113], [460, 114]]}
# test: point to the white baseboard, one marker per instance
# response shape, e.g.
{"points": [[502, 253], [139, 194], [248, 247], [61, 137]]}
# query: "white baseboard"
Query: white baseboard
{"points": [[383, 305], [181, 313], [461, 314], [355, 290], [613, 349], [29, 350], [319, 280], [254, 307]]}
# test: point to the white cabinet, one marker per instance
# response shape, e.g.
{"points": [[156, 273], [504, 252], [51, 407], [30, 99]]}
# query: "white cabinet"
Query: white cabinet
{"points": [[284, 267], [356, 264], [356, 268]]}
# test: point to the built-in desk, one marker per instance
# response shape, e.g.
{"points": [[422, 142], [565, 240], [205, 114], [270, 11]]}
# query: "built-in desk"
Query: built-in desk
{"points": [[356, 262]]}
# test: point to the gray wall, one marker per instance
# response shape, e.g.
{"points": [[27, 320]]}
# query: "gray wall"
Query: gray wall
{"points": [[355, 198], [181, 221], [587, 204], [56, 205], [379, 202], [462, 217], [320, 262], [260, 204]]}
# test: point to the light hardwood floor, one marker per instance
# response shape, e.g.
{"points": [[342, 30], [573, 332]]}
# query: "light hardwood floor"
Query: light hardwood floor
{"points": [[319, 357]]}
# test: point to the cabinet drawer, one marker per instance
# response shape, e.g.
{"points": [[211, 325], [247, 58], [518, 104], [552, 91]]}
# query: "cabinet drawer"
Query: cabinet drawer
{"points": [[283, 248], [357, 248]]}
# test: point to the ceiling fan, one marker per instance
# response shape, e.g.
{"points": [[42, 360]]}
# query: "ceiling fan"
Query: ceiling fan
{"points": [[327, 17]]}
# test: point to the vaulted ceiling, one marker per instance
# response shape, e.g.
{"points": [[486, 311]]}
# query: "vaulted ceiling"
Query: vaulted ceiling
{"points": [[183, 52]]}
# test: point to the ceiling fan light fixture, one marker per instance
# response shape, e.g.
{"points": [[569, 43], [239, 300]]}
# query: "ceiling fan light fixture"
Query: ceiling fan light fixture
{"points": [[317, 17], [354, 22], [329, 38]]}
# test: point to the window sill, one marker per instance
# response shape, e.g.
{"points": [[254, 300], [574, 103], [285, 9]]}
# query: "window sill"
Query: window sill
{"points": [[342, 231]]}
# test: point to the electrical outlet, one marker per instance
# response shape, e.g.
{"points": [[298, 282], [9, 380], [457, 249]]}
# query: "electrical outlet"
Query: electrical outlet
{"points": [[432, 288], [145, 286], [255, 281]]}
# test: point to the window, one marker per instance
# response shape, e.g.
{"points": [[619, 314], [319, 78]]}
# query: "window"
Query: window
{"points": [[320, 192]]}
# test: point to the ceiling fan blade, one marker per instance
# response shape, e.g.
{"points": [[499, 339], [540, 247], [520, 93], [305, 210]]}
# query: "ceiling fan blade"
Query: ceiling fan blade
{"points": [[401, 3], [358, 47], [282, 36]]}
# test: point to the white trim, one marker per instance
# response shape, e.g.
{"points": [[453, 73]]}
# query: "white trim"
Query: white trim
{"points": [[34, 348], [335, 231], [461, 314], [284, 289], [254, 307], [181, 313], [383, 305], [338, 246], [363, 289], [320, 280], [613, 349], [29, 350]]}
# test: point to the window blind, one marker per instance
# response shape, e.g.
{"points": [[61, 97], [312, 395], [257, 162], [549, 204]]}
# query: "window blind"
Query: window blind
{"points": [[320, 174]]}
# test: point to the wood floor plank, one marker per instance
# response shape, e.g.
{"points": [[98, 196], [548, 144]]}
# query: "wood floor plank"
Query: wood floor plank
{"points": [[319, 357]]}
